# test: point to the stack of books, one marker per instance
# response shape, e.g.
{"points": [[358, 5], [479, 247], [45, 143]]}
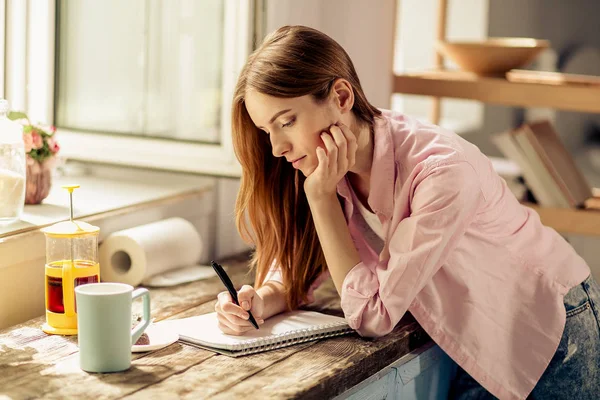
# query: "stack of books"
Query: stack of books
{"points": [[547, 166]]}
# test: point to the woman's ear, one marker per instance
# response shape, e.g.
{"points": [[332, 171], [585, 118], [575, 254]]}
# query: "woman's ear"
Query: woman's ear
{"points": [[343, 95]]}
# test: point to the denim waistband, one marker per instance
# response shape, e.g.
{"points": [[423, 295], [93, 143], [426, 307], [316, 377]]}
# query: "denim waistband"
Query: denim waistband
{"points": [[587, 290]]}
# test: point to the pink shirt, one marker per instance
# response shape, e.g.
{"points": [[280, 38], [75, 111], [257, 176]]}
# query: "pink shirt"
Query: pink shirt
{"points": [[478, 271]]}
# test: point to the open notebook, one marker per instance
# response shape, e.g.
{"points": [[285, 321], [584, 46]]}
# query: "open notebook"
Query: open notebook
{"points": [[279, 331]]}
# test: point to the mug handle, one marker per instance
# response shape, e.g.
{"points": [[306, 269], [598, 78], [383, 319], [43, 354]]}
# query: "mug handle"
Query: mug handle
{"points": [[139, 328]]}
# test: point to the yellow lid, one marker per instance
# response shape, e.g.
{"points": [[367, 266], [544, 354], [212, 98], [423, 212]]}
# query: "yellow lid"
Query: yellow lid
{"points": [[70, 188], [68, 229]]}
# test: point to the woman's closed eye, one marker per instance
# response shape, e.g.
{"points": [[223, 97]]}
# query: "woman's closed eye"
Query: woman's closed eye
{"points": [[289, 123]]}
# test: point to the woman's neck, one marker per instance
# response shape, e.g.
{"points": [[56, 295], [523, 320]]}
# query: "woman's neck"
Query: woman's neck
{"points": [[360, 173]]}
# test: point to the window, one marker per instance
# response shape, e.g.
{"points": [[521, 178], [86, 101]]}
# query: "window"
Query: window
{"points": [[145, 83], [144, 68]]}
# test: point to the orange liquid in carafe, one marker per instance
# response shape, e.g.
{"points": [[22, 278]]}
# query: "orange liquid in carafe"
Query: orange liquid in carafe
{"points": [[55, 286]]}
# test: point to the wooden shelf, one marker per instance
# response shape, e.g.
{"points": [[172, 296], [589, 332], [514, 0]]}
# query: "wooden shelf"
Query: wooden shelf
{"points": [[569, 220], [464, 85], [521, 91]]}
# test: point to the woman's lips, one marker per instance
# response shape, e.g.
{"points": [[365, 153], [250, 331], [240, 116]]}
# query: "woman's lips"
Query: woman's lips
{"points": [[297, 162]]}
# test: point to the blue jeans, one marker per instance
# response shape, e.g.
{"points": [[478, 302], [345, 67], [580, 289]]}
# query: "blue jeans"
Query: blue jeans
{"points": [[574, 371]]}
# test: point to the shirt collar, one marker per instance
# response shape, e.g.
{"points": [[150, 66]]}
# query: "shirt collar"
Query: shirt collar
{"points": [[381, 189]]}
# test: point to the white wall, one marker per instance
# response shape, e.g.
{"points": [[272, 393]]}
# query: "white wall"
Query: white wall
{"points": [[365, 29]]}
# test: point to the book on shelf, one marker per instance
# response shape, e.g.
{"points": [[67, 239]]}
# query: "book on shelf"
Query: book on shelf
{"points": [[544, 190], [559, 162], [593, 203], [548, 168]]}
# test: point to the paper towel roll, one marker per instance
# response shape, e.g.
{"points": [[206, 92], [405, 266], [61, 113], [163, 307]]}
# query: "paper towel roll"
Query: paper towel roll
{"points": [[131, 255]]}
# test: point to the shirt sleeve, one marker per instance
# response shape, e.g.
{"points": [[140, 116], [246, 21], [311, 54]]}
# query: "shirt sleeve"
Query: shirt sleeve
{"points": [[444, 203]]}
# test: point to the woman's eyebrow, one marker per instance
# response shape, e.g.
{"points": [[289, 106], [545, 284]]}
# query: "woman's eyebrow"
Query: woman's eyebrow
{"points": [[275, 116]]}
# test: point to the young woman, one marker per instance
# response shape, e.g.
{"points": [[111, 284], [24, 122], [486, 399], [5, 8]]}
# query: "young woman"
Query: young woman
{"points": [[404, 216]]}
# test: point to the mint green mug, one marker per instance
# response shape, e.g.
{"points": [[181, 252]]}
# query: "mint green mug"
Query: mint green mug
{"points": [[104, 325]]}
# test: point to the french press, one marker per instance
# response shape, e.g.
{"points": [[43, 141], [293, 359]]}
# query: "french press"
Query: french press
{"points": [[71, 260]]}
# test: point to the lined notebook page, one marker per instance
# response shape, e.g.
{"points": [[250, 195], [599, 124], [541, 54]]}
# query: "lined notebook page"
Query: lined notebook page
{"points": [[291, 327]]}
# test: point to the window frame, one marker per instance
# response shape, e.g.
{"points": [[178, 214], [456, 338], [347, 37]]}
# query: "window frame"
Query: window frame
{"points": [[33, 88]]}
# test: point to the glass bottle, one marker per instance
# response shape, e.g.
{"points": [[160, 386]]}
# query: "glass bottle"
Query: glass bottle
{"points": [[12, 167]]}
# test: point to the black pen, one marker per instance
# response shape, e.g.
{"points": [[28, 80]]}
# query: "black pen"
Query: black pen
{"points": [[229, 285]]}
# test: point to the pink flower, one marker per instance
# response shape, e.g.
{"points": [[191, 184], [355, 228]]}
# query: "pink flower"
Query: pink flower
{"points": [[28, 140], [53, 145], [38, 142]]}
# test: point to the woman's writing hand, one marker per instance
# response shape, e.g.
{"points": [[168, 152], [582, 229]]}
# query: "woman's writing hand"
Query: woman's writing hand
{"points": [[334, 163], [233, 319]]}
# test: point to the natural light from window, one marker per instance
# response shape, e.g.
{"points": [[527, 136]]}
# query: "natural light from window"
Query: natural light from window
{"points": [[155, 70]]}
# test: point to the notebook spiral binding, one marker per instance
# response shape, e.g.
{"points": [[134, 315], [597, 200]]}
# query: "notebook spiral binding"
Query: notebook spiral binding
{"points": [[300, 336]]}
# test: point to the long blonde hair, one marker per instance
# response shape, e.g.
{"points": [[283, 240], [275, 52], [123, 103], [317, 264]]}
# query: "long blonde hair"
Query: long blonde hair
{"points": [[272, 211]]}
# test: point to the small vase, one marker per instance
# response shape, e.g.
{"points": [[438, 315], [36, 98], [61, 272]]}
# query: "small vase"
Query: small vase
{"points": [[39, 181]]}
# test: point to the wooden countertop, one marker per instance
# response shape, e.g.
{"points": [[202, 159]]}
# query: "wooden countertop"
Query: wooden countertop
{"points": [[36, 365]]}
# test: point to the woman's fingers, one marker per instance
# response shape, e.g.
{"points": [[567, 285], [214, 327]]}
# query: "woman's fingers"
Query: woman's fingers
{"points": [[342, 146], [234, 320], [351, 143], [231, 324], [228, 306], [345, 146], [246, 296], [332, 151], [230, 328], [223, 298], [323, 159]]}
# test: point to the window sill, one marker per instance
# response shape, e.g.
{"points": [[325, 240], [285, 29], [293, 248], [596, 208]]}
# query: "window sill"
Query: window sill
{"points": [[105, 189], [157, 154]]}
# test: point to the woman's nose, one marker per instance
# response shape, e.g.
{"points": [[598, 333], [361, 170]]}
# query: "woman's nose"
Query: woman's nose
{"points": [[280, 145]]}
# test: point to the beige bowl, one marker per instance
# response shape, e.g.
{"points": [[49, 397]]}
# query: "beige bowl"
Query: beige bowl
{"points": [[493, 56]]}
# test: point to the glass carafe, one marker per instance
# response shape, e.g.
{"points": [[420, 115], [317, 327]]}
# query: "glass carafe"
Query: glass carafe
{"points": [[65, 271], [71, 260]]}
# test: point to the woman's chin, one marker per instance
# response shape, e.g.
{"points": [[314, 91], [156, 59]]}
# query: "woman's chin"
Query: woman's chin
{"points": [[306, 171]]}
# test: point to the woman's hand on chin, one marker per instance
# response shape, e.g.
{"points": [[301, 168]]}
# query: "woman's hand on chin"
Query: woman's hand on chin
{"points": [[334, 162]]}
